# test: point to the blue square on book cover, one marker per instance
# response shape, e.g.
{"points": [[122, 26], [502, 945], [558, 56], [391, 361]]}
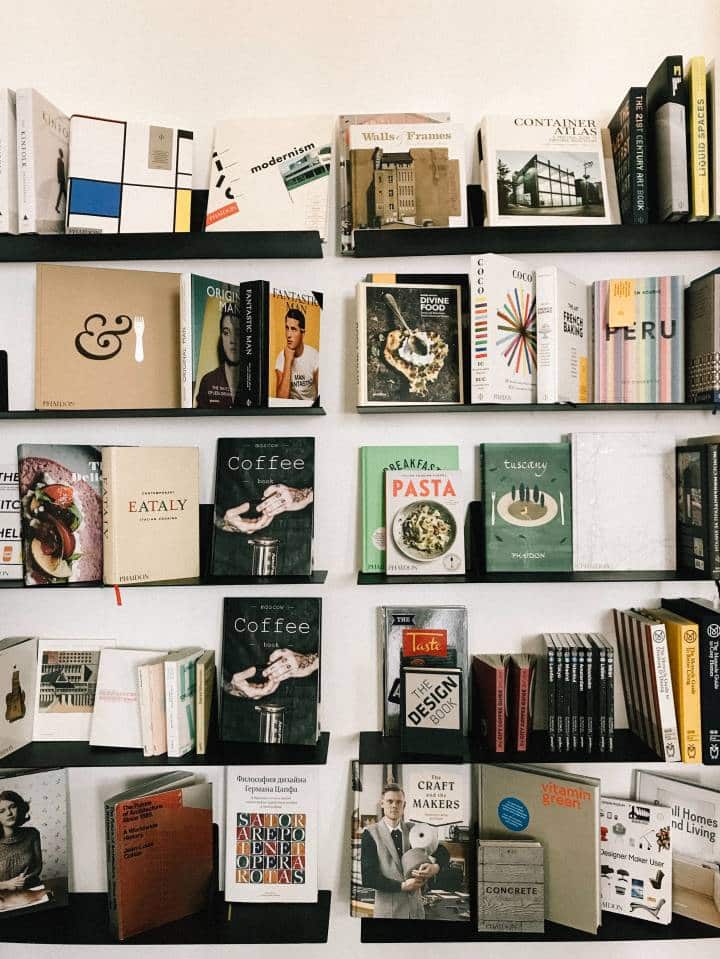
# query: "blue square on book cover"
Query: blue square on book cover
{"points": [[94, 197]]}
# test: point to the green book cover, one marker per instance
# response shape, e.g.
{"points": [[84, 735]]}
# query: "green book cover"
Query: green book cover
{"points": [[527, 506], [374, 460]]}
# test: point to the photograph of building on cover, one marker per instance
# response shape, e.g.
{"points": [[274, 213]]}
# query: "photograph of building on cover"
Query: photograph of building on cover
{"points": [[556, 184]]}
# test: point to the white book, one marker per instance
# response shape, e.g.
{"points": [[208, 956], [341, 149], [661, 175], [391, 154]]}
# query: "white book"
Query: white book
{"points": [[10, 536], [18, 675], [180, 699], [151, 699], [8, 162], [503, 343], [43, 147], [275, 805], [116, 716], [660, 693], [713, 114], [186, 356], [564, 350]]}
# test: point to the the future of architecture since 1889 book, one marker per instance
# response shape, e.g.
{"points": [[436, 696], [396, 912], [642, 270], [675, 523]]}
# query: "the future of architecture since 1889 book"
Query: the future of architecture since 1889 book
{"points": [[293, 347]]}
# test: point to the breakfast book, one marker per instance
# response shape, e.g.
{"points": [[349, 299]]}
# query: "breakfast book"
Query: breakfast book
{"points": [[43, 145], [293, 347]]}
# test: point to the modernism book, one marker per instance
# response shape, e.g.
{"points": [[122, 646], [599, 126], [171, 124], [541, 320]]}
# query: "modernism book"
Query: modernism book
{"points": [[407, 820], [270, 690], [293, 347], [564, 337], [43, 145], [18, 674], [272, 834], [8, 162]]}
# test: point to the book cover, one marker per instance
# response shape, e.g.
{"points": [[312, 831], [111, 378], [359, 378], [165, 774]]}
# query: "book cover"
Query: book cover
{"points": [[180, 679], [412, 842], [61, 502], [271, 174], [522, 695], [431, 710], [126, 177], [628, 129], [106, 339], [528, 506], [698, 508], [543, 171], [270, 689], [151, 513], [510, 886], [18, 674], [10, 523], [272, 834], [667, 141], [116, 713], [702, 339], [684, 652], [264, 486], [425, 522], [33, 840], [293, 350], [151, 700], [636, 875], [564, 337], [490, 701], [698, 143], [204, 692], [562, 811], [43, 146], [8, 162]]}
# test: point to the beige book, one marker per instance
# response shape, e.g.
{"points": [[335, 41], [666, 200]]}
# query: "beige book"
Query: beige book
{"points": [[151, 513], [106, 339], [204, 685], [151, 687]]}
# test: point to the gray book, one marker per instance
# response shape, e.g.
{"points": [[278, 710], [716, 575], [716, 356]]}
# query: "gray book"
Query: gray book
{"points": [[671, 162], [511, 886], [702, 346]]}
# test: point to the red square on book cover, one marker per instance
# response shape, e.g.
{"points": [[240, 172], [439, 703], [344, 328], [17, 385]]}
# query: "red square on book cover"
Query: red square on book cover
{"points": [[424, 642]]}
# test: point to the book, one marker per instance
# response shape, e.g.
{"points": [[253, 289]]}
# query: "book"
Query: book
{"points": [[293, 350], [61, 503], [374, 462], [698, 149], [564, 337], [552, 683], [636, 874], [116, 712], [543, 171], [698, 507], [8, 162], [180, 682], [420, 636], [151, 701], [702, 339], [562, 811], [272, 834], [151, 513], [667, 141], [43, 145], [10, 523], [639, 351], [522, 694], [528, 507], [684, 653], [504, 339], [106, 339], [18, 674], [126, 177], [159, 842], [510, 886], [270, 691], [204, 694], [425, 522], [264, 486], [490, 700], [428, 806], [65, 687], [34, 849], [713, 117], [619, 524], [431, 710], [628, 129]]}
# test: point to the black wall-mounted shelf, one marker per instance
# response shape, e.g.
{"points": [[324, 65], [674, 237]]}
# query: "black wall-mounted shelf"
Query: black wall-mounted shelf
{"points": [[150, 414], [593, 576], [317, 577], [542, 407]]}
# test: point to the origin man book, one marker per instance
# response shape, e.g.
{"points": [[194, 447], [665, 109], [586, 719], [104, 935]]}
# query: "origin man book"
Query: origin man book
{"points": [[126, 177], [61, 518], [10, 523], [270, 690], [528, 507], [628, 129], [272, 834], [18, 673], [293, 347], [698, 506], [106, 339], [702, 339], [698, 141], [264, 490], [667, 142], [43, 147], [151, 514], [412, 821], [8, 162], [564, 337]]}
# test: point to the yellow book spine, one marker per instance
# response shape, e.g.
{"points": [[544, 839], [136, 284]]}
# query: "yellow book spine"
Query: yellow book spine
{"points": [[683, 642], [699, 170]]}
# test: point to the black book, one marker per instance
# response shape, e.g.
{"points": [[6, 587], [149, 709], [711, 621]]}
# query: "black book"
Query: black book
{"points": [[270, 670], [551, 694], [628, 132], [600, 665], [698, 509], [574, 694], [610, 693], [588, 649], [667, 138], [253, 307], [263, 517]]}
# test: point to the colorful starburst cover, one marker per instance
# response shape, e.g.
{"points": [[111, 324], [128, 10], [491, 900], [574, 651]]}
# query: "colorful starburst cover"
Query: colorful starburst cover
{"points": [[503, 347]]}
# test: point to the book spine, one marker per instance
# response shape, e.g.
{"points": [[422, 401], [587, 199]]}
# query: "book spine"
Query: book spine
{"points": [[172, 709], [567, 699], [688, 693], [500, 738], [602, 701], [255, 323], [25, 162], [110, 858], [200, 708], [610, 698], [710, 692], [582, 696], [110, 564], [639, 154], [551, 698], [574, 700], [145, 710], [590, 673], [560, 698], [8, 163], [547, 310], [480, 386], [661, 688], [698, 140], [522, 719], [713, 510], [186, 364]]}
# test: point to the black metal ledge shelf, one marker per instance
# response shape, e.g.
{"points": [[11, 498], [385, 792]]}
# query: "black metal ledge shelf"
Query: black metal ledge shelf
{"points": [[317, 577], [84, 922], [153, 414], [542, 407], [592, 576]]}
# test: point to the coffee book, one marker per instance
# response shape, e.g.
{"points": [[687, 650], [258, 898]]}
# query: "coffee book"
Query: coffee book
{"points": [[43, 145], [10, 525], [293, 347], [18, 675], [8, 162], [564, 337], [116, 714]]}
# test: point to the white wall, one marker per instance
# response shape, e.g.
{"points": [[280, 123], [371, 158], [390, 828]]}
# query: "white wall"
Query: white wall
{"points": [[191, 63]]}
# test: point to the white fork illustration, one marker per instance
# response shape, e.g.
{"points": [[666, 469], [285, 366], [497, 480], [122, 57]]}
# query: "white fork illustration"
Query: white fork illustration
{"points": [[139, 327]]}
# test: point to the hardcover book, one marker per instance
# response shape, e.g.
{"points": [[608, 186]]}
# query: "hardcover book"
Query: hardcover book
{"points": [[511, 886], [411, 821], [490, 676], [151, 700], [264, 507], [698, 507], [43, 146], [272, 834], [270, 670], [106, 339], [522, 697], [204, 694], [8, 162], [61, 501], [116, 713], [10, 523], [293, 350], [528, 506], [667, 141], [702, 339], [180, 680], [698, 143], [18, 674], [128, 177], [431, 710], [409, 344], [564, 338], [628, 129], [713, 113]]}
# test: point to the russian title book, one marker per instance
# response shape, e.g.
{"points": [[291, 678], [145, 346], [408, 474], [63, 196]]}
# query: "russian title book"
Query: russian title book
{"points": [[151, 514], [18, 674], [34, 849], [204, 692], [271, 174], [116, 713], [698, 507], [503, 347], [159, 842], [628, 129], [151, 701], [636, 874], [667, 141], [694, 817], [293, 349], [264, 490], [698, 142], [270, 690], [490, 678], [128, 177], [106, 339], [564, 337], [180, 680], [425, 522], [562, 811], [702, 339], [10, 523], [61, 501], [522, 696], [619, 523], [684, 652], [543, 171], [43, 147], [272, 834], [409, 344], [8, 162], [420, 636], [511, 886], [639, 354], [528, 506], [713, 114], [411, 821], [431, 710]]}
